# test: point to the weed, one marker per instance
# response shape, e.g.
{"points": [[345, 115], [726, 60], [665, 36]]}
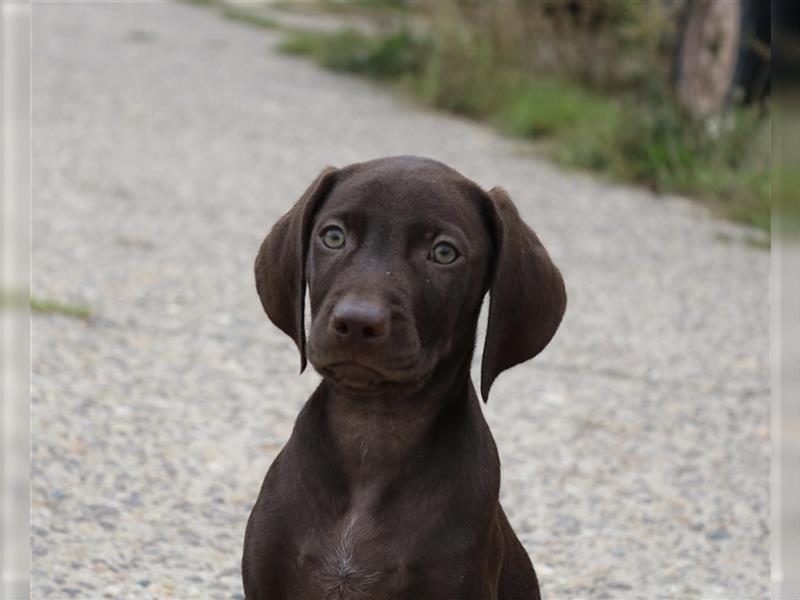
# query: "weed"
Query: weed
{"points": [[54, 307], [660, 146], [17, 299], [523, 66], [202, 2], [248, 17], [639, 135], [760, 242], [548, 107], [385, 57]]}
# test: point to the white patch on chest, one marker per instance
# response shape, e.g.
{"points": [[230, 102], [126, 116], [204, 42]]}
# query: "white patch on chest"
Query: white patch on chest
{"points": [[342, 577]]}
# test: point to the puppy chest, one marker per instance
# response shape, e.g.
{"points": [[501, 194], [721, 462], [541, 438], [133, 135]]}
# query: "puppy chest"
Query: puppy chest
{"points": [[345, 562]]}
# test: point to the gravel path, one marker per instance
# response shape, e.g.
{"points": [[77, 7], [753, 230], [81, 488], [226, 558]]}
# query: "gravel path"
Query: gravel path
{"points": [[167, 140]]}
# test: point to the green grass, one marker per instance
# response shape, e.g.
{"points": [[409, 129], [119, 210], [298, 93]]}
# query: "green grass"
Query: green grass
{"points": [[373, 9], [54, 307], [548, 107], [248, 17], [360, 6], [16, 299], [385, 57], [755, 241], [638, 135]]}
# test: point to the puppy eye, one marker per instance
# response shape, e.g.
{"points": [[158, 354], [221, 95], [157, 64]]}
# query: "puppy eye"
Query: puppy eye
{"points": [[444, 253], [333, 237]]}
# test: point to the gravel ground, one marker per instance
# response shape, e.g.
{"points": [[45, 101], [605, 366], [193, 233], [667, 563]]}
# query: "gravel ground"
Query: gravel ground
{"points": [[166, 142]]}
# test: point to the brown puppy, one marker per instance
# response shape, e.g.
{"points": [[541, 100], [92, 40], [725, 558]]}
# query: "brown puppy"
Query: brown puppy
{"points": [[388, 487]]}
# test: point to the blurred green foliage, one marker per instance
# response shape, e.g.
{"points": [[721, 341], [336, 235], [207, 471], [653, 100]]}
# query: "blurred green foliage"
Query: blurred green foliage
{"points": [[248, 17], [18, 299], [589, 80], [385, 57]]}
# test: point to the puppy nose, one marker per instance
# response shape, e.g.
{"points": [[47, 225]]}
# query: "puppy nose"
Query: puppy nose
{"points": [[359, 320]]}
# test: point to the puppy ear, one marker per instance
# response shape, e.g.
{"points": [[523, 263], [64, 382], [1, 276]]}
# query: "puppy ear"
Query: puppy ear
{"points": [[281, 263], [527, 295]]}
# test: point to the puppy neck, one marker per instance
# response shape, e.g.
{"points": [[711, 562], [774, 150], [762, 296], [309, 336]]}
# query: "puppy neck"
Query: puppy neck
{"points": [[375, 437]]}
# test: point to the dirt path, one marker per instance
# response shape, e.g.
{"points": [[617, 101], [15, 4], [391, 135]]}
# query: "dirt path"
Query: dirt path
{"points": [[167, 141]]}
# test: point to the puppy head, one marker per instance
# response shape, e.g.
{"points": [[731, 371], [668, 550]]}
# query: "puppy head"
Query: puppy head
{"points": [[397, 254]]}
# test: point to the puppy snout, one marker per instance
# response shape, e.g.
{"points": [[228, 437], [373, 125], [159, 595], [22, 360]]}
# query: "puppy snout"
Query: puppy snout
{"points": [[360, 321]]}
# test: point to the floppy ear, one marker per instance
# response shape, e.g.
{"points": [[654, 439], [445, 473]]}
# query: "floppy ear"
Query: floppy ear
{"points": [[281, 263], [527, 296]]}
